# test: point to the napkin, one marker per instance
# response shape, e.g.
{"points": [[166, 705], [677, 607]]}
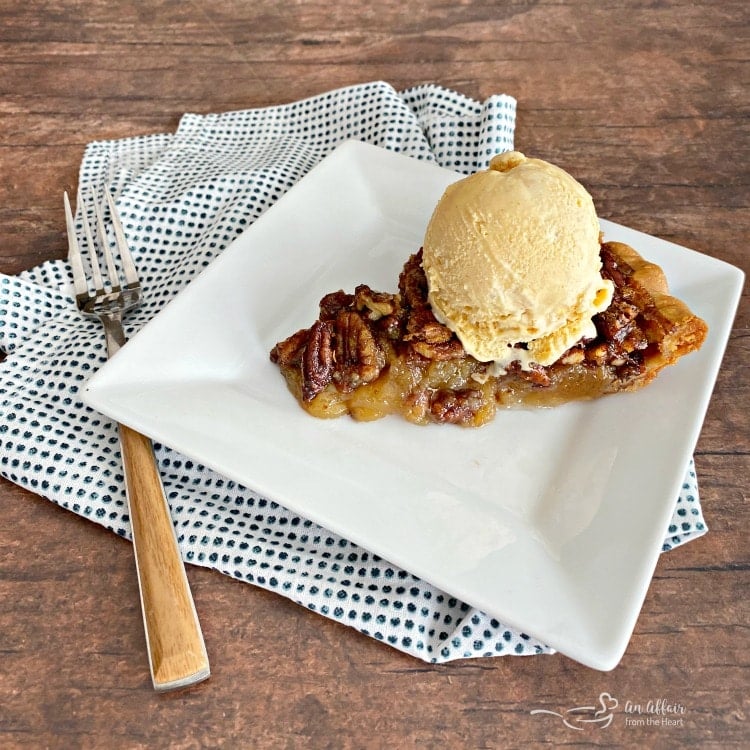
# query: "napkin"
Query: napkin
{"points": [[183, 198]]}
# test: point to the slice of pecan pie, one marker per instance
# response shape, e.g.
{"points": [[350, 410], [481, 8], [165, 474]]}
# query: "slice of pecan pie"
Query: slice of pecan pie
{"points": [[372, 353]]}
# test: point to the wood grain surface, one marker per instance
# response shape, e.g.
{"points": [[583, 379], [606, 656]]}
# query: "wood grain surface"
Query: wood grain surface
{"points": [[647, 102]]}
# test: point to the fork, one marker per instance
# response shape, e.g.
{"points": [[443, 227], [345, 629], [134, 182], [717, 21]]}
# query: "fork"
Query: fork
{"points": [[176, 650]]}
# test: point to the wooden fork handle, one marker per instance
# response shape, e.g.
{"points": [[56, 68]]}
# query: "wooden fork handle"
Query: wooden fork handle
{"points": [[176, 650]]}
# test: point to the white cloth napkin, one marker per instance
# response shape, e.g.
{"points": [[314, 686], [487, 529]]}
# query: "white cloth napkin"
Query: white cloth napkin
{"points": [[184, 197]]}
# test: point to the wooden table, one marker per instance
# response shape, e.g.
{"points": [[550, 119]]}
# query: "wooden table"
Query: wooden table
{"points": [[647, 104]]}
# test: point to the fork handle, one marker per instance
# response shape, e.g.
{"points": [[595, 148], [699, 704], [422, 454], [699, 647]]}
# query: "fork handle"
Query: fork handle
{"points": [[176, 650]]}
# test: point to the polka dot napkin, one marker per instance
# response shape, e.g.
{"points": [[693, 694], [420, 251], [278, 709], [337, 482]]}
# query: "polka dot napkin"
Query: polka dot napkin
{"points": [[184, 197]]}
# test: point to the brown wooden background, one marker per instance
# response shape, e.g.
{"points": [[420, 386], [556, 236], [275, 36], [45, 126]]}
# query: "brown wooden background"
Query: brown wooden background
{"points": [[647, 102]]}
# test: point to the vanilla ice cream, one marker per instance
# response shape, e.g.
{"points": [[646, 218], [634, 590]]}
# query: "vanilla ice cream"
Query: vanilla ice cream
{"points": [[512, 261]]}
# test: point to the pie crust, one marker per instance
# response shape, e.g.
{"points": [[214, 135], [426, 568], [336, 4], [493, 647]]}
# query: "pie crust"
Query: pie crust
{"points": [[372, 353]]}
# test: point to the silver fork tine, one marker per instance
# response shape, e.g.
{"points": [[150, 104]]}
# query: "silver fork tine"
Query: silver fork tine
{"points": [[93, 259], [126, 259], [114, 276], [80, 286]]}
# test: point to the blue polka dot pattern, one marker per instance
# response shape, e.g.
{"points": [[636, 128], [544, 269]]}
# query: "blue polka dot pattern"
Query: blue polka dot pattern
{"points": [[183, 198]]}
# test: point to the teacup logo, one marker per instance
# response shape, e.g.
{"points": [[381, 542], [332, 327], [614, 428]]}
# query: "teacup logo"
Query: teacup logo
{"points": [[581, 717]]}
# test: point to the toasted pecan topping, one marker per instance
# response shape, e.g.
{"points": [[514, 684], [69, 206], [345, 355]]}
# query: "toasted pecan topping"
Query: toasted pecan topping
{"points": [[359, 358], [332, 304], [288, 353], [317, 359], [455, 407], [375, 304]]}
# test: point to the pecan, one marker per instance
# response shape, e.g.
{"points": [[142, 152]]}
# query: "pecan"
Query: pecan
{"points": [[359, 358], [422, 325], [612, 268], [598, 354], [536, 374], [616, 322], [455, 407], [635, 340], [317, 360], [424, 333], [332, 304], [573, 356], [412, 283], [632, 368], [418, 404], [377, 304], [390, 326], [288, 352], [441, 352]]}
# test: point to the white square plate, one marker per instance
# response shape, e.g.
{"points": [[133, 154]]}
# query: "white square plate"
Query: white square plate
{"points": [[550, 520]]}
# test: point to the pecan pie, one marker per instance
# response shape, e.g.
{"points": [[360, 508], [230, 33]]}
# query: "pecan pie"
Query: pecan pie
{"points": [[371, 353]]}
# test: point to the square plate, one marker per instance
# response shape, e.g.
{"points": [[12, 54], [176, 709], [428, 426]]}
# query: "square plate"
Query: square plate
{"points": [[550, 520]]}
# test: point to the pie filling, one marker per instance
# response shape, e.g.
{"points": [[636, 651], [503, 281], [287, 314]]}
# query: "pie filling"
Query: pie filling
{"points": [[372, 353]]}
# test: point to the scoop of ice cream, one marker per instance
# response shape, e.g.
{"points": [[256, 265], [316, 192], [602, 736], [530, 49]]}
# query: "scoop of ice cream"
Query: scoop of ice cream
{"points": [[512, 261]]}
